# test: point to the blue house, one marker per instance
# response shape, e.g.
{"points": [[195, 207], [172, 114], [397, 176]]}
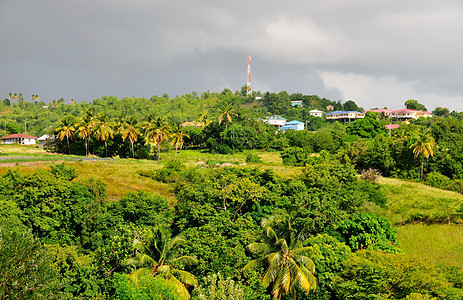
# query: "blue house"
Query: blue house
{"points": [[294, 125]]}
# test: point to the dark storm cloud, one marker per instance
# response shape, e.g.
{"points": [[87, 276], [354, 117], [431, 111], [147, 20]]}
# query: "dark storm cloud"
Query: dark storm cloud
{"points": [[379, 53]]}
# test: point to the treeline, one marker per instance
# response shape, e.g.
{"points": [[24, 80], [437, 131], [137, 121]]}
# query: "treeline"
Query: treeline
{"points": [[214, 243]]}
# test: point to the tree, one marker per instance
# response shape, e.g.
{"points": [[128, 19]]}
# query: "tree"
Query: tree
{"points": [[286, 264], [413, 104], [423, 146], [129, 130], [228, 112], [177, 139], [350, 105], [104, 130], [85, 129], [158, 131], [155, 256], [66, 130], [26, 270]]}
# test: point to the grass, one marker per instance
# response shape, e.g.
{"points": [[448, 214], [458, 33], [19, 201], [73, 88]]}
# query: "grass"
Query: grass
{"points": [[22, 149], [435, 243], [412, 201]]}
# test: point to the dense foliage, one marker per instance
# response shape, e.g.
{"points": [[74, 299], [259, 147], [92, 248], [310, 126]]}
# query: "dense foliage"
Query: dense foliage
{"points": [[231, 232]]}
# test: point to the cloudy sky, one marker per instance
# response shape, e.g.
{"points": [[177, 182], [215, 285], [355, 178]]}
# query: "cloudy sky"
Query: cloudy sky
{"points": [[378, 53]]}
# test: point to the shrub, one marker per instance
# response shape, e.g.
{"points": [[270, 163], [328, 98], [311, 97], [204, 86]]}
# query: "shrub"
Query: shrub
{"points": [[370, 174], [253, 158]]}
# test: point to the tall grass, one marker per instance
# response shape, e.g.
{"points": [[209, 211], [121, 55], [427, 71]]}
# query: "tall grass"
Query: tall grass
{"points": [[435, 243]]}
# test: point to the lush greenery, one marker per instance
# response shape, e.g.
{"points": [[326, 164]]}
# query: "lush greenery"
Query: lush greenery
{"points": [[299, 223]]}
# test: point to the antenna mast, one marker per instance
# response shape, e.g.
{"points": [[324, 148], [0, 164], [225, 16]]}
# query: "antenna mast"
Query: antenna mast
{"points": [[248, 84]]}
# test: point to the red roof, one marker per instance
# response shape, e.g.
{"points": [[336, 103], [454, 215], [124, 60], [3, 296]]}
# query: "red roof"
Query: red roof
{"points": [[392, 126], [18, 136]]}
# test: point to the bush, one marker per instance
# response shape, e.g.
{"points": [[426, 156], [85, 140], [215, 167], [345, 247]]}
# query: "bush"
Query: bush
{"points": [[437, 180], [253, 158], [370, 174]]}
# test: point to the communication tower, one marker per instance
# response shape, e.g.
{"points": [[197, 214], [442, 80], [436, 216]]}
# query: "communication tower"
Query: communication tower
{"points": [[248, 84]]}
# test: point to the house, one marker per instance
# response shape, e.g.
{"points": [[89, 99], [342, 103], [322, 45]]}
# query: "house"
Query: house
{"points": [[316, 113], [296, 103], [275, 120], [392, 126], [402, 114], [294, 125], [43, 140], [19, 138], [340, 115], [329, 107]]}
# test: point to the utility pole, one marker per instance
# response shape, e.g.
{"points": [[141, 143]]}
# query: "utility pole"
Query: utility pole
{"points": [[248, 83]]}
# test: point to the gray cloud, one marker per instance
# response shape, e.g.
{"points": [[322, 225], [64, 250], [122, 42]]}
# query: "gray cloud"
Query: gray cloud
{"points": [[379, 53]]}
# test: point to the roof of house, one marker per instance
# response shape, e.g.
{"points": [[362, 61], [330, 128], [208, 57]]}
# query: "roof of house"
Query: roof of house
{"points": [[294, 122], [44, 137], [342, 112], [315, 111], [392, 126], [18, 136], [275, 117]]}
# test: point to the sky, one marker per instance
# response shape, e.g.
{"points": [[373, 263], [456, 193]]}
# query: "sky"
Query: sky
{"points": [[378, 53]]}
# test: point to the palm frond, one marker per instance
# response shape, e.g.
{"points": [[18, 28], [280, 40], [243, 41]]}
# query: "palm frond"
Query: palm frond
{"points": [[185, 277], [185, 260]]}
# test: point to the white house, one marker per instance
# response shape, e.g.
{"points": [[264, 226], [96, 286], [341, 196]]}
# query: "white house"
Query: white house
{"points": [[344, 115], [43, 140], [277, 121], [19, 138], [316, 113]]}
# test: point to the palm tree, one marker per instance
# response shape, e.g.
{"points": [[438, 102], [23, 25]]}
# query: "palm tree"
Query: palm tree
{"points": [[177, 139], [228, 111], [158, 131], [85, 129], [205, 120], [128, 130], [104, 130], [286, 263], [10, 95], [423, 146], [66, 130], [155, 256]]}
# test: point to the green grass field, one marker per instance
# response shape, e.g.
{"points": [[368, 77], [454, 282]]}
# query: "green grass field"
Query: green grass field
{"points": [[437, 243]]}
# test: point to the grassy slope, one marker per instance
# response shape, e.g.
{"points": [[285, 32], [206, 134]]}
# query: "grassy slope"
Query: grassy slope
{"points": [[436, 243]]}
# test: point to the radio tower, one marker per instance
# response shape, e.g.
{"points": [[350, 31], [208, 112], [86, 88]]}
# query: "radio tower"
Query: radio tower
{"points": [[248, 84]]}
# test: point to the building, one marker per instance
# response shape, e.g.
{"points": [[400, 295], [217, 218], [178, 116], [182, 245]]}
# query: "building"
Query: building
{"points": [[293, 125], [19, 138], [402, 114], [296, 103], [275, 120], [195, 124], [345, 116], [43, 140], [329, 107], [316, 113]]}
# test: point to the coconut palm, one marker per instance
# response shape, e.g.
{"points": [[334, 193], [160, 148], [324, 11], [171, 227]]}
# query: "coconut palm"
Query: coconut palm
{"points": [[177, 139], [285, 262], [128, 129], [423, 146], [228, 112], [158, 131], [154, 255], [85, 129], [66, 130], [205, 119], [104, 130]]}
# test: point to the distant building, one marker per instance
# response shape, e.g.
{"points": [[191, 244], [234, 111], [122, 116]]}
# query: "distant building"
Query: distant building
{"points": [[19, 138], [316, 113], [293, 125], [344, 116], [43, 140], [392, 126], [402, 114], [195, 124], [329, 107], [296, 103], [275, 120]]}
